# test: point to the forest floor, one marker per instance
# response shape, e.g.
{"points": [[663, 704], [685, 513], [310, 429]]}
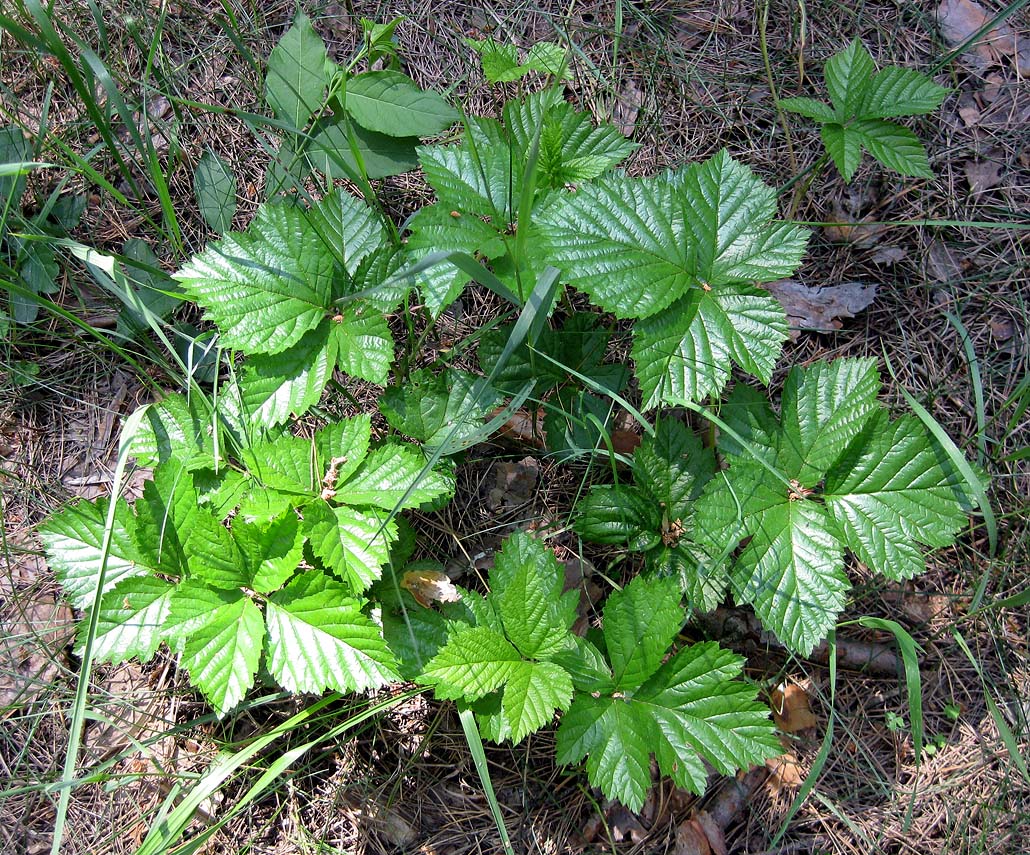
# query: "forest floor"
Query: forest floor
{"points": [[950, 312]]}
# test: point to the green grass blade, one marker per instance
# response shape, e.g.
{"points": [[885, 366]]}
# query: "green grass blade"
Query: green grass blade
{"points": [[976, 380], [913, 681], [475, 743], [78, 710]]}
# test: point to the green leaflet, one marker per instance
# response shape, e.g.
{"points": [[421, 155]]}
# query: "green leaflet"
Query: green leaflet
{"points": [[388, 102], [863, 99], [655, 515], [682, 710], [320, 639], [295, 81], [835, 473]]}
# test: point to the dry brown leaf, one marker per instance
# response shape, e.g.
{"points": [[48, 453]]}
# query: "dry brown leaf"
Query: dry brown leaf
{"points": [[514, 483], [429, 586], [791, 709], [819, 307], [943, 264], [33, 635], [627, 107], [960, 19], [523, 427], [889, 255], [691, 839], [785, 773], [1003, 329], [982, 175]]}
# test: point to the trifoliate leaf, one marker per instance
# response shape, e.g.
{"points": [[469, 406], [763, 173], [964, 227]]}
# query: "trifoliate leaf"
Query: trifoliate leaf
{"points": [[684, 355], [687, 709], [223, 652], [526, 588], [394, 477], [444, 411], [804, 489], [318, 639], [354, 545], [131, 617], [388, 102], [271, 550], [277, 386], [73, 539], [363, 342], [295, 81], [265, 287]]}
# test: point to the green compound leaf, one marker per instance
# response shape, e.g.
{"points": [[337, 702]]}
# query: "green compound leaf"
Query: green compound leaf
{"points": [[318, 639], [388, 102], [223, 646], [132, 615], [893, 497], [264, 288], [900, 92], [214, 557], [684, 710], [444, 411], [817, 489], [619, 515], [295, 81], [684, 355], [894, 146], [165, 515], [395, 477], [673, 466], [73, 539], [500, 60], [848, 75], [354, 545]]}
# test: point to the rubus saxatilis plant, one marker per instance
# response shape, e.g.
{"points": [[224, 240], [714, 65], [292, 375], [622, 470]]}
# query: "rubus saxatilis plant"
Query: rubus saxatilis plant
{"points": [[257, 551]]}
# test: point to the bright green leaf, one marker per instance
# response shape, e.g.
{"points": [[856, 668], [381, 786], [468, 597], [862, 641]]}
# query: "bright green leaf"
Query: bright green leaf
{"points": [[388, 102], [295, 80]]}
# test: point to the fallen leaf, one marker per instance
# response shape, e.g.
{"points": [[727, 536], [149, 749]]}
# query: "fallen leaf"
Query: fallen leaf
{"points": [[888, 255], [691, 839], [818, 307], [791, 709], [627, 108], [524, 427], [785, 773], [960, 19], [514, 483], [943, 264], [1003, 329], [33, 635], [847, 228], [625, 441], [429, 586], [982, 175]]}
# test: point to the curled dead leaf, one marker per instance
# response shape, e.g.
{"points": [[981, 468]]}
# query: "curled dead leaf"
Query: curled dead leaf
{"points": [[819, 307], [791, 709], [430, 586], [785, 773]]}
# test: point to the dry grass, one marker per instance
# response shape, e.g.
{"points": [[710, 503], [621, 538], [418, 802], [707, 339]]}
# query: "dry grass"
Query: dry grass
{"points": [[689, 78]]}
